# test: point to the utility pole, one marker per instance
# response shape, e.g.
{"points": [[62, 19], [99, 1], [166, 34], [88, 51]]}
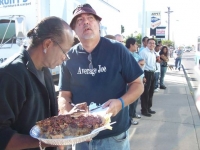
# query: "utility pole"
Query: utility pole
{"points": [[168, 21]]}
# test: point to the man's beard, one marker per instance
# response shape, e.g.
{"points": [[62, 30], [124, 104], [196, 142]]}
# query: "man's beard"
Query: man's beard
{"points": [[87, 37]]}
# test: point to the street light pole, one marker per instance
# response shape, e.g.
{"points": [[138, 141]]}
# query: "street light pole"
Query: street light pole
{"points": [[175, 34], [144, 19], [169, 21]]}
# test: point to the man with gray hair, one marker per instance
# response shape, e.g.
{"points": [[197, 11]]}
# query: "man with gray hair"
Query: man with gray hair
{"points": [[99, 71], [119, 38]]}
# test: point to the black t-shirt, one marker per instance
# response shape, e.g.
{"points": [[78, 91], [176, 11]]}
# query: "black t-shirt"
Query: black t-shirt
{"points": [[113, 68]]}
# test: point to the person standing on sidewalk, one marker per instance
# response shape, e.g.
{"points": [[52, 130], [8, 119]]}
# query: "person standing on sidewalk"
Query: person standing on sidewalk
{"points": [[178, 58], [148, 54], [109, 36], [160, 44], [99, 70], [27, 92], [119, 38], [131, 44], [144, 43], [157, 72], [163, 64]]}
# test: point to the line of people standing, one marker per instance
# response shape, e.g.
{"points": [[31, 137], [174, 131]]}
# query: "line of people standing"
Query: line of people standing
{"points": [[156, 59]]}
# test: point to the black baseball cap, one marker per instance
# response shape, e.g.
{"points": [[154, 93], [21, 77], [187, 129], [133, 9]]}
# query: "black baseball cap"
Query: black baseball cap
{"points": [[83, 9]]}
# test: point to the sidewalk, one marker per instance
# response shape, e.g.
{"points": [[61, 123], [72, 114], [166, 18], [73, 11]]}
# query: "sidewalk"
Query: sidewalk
{"points": [[176, 124]]}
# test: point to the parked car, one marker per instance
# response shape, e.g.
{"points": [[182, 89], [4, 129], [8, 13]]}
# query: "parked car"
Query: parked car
{"points": [[187, 49]]}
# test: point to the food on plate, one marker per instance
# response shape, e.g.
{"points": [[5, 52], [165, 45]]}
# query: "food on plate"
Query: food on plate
{"points": [[78, 122]]}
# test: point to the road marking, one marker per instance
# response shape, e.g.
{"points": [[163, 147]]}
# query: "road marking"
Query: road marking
{"points": [[132, 133]]}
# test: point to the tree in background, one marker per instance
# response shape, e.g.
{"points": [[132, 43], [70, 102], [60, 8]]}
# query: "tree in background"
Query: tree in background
{"points": [[138, 38], [167, 43], [122, 29]]}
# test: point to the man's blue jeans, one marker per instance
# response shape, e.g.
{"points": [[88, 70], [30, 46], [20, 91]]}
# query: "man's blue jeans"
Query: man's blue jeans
{"points": [[178, 63], [132, 109], [157, 74], [119, 142], [162, 75]]}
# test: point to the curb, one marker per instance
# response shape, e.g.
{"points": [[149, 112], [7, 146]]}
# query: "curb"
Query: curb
{"points": [[192, 92], [189, 84]]}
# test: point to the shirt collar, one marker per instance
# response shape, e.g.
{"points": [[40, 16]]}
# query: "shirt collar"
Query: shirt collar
{"points": [[152, 51]]}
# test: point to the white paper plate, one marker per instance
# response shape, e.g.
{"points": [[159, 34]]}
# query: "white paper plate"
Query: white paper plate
{"points": [[35, 133], [68, 140]]}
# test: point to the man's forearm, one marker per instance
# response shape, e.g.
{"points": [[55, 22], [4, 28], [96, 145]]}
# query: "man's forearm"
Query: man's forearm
{"points": [[64, 105], [64, 102], [134, 91]]}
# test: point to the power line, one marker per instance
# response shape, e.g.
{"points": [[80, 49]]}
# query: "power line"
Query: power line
{"points": [[168, 21]]}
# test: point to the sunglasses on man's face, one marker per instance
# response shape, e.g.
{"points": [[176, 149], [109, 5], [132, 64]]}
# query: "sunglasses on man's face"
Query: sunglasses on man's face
{"points": [[90, 60]]}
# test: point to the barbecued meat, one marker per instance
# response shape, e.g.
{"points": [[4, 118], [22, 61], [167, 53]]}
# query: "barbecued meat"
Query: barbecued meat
{"points": [[66, 125]]}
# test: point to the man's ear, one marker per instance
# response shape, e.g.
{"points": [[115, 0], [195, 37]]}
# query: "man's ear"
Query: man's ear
{"points": [[46, 43]]}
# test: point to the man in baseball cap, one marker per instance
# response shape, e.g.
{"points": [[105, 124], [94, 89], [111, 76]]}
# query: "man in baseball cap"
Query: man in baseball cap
{"points": [[83, 9], [99, 70]]}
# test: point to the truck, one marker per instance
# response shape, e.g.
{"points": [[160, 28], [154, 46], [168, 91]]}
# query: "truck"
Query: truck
{"points": [[17, 17]]}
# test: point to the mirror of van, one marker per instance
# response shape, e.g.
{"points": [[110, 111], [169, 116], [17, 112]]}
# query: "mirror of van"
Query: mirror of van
{"points": [[20, 27]]}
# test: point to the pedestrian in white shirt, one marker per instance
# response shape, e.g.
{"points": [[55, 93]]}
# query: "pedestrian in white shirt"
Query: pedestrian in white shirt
{"points": [[148, 54]]}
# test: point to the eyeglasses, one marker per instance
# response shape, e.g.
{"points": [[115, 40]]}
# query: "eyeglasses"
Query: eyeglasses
{"points": [[66, 55], [90, 59]]}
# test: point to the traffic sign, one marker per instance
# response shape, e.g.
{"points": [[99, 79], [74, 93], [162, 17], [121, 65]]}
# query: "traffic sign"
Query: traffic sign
{"points": [[155, 19]]}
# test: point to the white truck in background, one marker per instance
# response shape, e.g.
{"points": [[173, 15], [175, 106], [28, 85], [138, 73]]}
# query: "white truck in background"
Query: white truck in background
{"points": [[17, 17]]}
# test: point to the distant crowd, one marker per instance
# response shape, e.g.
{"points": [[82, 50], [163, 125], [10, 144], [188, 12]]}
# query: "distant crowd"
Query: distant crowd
{"points": [[153, 59]]}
